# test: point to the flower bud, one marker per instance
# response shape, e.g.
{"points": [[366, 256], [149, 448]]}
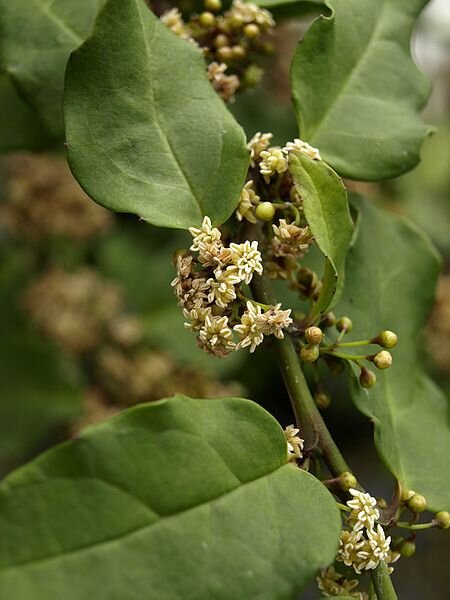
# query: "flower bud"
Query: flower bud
{"points": [[224, 53], [207, 19], [442, 519], [347, 480], [314, 335], [367, 378], [407, 548], [214, 5], [238, 52], [309, 353], [386, 339], [417, 503], [328, 320], [220, 40], [252, 75], [382, 359], [344, 324], [406, 495], [322, 399], [235, 22], [265, 211], [381, 503], [251, 31]]}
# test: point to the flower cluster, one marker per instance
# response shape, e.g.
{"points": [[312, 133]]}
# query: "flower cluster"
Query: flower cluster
{"points": [[295, 443], [290, 240], [332, 583], [209, 289], [230, 41], [365, 544]]}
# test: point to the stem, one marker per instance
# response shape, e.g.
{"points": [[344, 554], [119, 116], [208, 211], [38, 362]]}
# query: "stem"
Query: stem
{"points": [[310, 422], [331, 352], [382, 583], [405, 525], [357, 343]]}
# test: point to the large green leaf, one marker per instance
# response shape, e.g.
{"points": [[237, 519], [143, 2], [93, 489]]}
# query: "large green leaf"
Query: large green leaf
{"points": [[20, 129], [36, 38], [288, 9], [391, 275], [356, 90], [326, 209], [178, 499], [154, 138]]}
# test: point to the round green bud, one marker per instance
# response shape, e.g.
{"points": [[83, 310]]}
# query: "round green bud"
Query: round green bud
{"points": [[265, 211], [381, 503], [252, 75], [309, 353], [267, 48], [382, 359], [367, 378], [238, 52], [344, 324], [386, 339], [251, 31], [442, 519], [406, 495], [322, 399], [220, 40], [346, 480], [214, 5], [328, 320], [314, 335], [235, 22], [207, 19], [407, 548], [224, 53], [396, 541], [417, 503]]}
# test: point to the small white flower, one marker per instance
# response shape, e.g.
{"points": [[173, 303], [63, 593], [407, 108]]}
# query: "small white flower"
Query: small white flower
{"points": [[222, 290], [303, 147], [246, 259], [215, 336], [247, 202], [350, 544], [258, 143], [204, 236], [274, 320], [364, 512], [173, 20], [251, 13], [196, 317], [248, 329], [273, 161], [294, 442]]}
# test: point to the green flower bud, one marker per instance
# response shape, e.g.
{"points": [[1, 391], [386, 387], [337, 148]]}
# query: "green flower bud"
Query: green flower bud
{"points": [[235, 22], [382, 359], [367, 378], [347, 480], [328, 320], [309, 353], [238, 52], [265, 211], [396, 541], [252, 75], [221, 40], [314, 335], [322, 399], [214, 5], [417, 503], [344, 324], [251, 31], [386, 339], [406, 495], [224, 53], [381, 503], [407, 548], [442, 519], [207, 19]]}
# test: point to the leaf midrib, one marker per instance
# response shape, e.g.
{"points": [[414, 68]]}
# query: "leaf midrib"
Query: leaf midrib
{"points": [[52, 16]]}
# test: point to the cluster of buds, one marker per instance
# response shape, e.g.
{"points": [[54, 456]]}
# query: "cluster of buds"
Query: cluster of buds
{"points": [[209, 288], [363, 543], [332, 584], [230, 40], [335, 352]]}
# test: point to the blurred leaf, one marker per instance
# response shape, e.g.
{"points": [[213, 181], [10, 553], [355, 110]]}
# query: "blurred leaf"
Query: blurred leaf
{"points": [[326, 210], [36, 40], [154, 139], [356, 90], [183, 497], [291, 9], [20, 128], [391, 275]]}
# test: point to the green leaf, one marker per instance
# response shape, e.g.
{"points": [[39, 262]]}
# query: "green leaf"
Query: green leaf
{"points": [[326, 210], [20, 129], [35, 43], [391, 275], [356, 90], [288, 9], [154, 138], [180, 498]]}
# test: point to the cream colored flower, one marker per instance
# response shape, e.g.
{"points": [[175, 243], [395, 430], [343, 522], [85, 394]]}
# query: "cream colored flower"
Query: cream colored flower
{"points": [[364, 512], [274, 320], [248, 329], [273, 161], [294, 442], [246, 259], [299, 145], [290, 240], [258, 143], [379, 545], [332, 583], [225, 85], [351, 544], [251, 13], [174, 21], [205, 235], [222, 290], [247, 202], [215, 336], [196, 317]]}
